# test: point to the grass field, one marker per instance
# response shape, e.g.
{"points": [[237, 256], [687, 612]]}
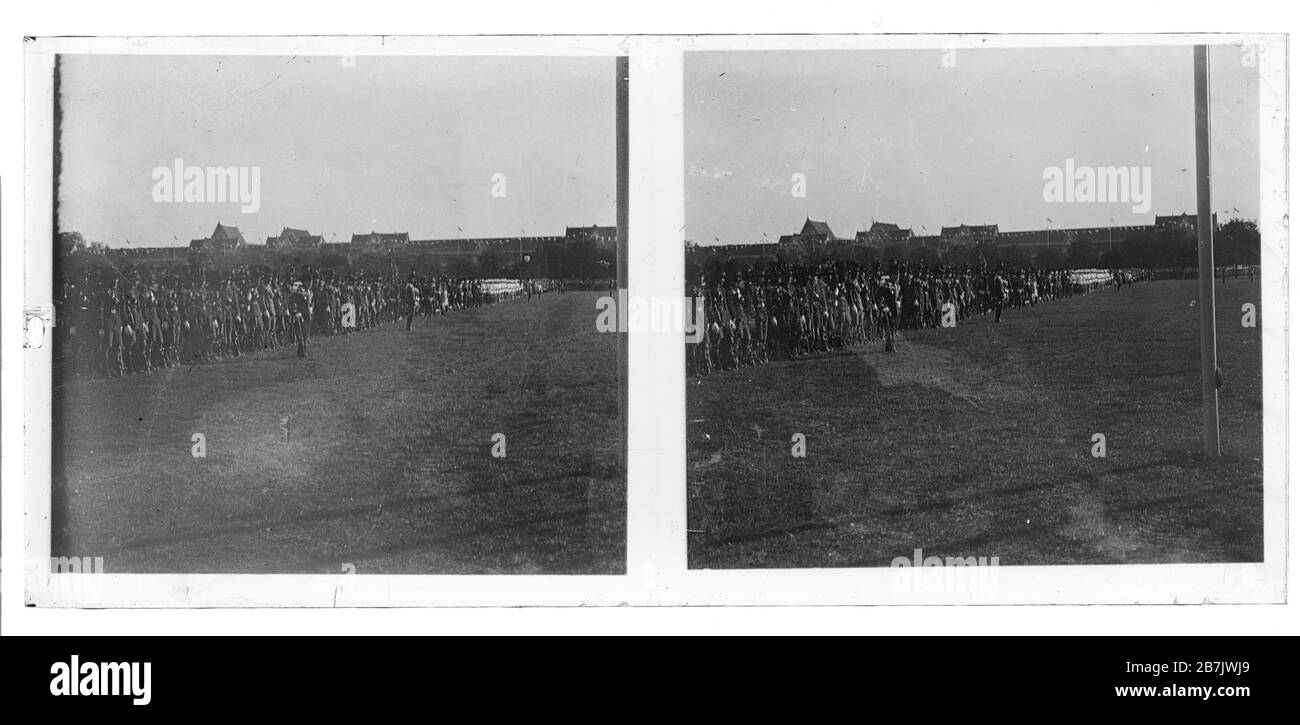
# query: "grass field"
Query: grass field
{"points": [[976, 441], [387, 464]]}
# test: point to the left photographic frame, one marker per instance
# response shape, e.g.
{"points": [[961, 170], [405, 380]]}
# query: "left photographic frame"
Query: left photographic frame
{"points": [[324, 307]]}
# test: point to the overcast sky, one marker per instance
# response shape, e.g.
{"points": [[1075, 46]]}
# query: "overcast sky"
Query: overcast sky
{"points": [[391, 144], [896, 136]]}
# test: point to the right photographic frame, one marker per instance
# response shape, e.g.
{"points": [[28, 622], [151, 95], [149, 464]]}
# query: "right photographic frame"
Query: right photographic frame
{"points": [[958, 311]]}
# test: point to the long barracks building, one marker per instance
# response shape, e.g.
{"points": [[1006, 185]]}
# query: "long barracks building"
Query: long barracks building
{"points": [[886, 235], [228, 238]]}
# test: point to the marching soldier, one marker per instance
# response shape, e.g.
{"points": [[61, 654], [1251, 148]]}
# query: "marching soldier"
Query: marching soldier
{"points": [[410, 300]]}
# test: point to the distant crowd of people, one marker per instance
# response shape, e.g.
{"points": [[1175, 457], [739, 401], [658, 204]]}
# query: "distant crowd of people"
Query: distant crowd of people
{"points": [[753, 315], [113, 324]]}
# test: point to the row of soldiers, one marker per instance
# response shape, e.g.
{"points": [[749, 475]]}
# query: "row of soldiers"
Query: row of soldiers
{"points": [[113, 323], [753, 315]]}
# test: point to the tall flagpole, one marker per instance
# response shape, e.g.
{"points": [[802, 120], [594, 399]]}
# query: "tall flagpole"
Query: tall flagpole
{"points": [[1205, 244], [622, 199]]}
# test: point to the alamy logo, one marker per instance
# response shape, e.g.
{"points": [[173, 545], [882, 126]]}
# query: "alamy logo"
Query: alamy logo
{"points": [[1100, 185], [102, 678], [673, 315], [69, 574], [939, 574], [76, 565], [209, 185]]}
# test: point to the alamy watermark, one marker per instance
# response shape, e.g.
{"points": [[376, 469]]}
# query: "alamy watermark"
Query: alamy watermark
{"points": [[77, 575], [1100, 185], [97, 679], [179, 183], [944, 574], [673, 315]]}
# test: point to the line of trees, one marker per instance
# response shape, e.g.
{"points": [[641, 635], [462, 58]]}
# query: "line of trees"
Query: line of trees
{"points": [[1235, 242]]}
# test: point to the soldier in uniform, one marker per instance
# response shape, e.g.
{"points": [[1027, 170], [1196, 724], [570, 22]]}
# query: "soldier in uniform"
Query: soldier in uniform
{"points": [[300, 308], [998, 295], [890, 305], [111, 329], [151, 324], [410, 300]]}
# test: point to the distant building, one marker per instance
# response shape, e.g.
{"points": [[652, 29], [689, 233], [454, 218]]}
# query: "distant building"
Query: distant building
{"points": [[291, 238], [136, 253], [813, 232], [750, 252], [817, 232], [986, 237], [223, 238], [883, 234], [380, 239], [1180, 225], [470, 247], [601, 235], [968, 233], [1033, 242]]}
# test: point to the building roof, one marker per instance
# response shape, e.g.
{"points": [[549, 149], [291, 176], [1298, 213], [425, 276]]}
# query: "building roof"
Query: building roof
{"points": [[886, 230], [294, 238], [223, 236], [225, 231], [813, 228]]}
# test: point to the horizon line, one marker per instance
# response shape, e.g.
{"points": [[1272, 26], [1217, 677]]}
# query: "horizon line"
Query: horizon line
{"points": [[914, 228]]}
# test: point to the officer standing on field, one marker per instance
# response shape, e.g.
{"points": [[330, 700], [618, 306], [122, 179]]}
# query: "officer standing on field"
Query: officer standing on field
{"points": [[999, 294], [410, 299], [300, 306], [889, 304]]}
